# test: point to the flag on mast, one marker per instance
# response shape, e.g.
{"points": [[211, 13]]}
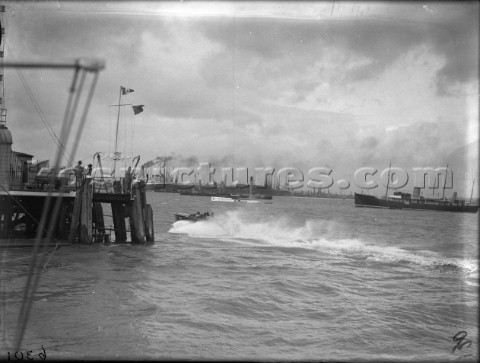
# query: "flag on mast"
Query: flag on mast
{"points": [[126, 90], [137, 109]]}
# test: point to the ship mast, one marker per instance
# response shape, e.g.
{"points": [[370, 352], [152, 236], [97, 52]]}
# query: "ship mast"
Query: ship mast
{"points": [[115, 152], [388, 181], [471, 193], [445, 183], [3, 110]]}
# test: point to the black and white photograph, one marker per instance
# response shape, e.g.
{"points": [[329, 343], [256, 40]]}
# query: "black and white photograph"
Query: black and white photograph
{"points": [[239, 180]]}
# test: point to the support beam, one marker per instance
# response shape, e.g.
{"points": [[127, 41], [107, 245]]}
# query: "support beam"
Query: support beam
{"points": [[118, 214], [62, 214], [98, 219], [77, 207], [149, 231], [5, 216]]}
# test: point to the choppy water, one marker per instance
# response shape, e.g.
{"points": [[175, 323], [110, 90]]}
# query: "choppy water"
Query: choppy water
{"points": [[298, 279]]}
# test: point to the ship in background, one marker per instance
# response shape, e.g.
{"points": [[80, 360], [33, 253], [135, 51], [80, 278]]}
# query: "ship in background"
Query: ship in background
{"points": [[404, 200], [239, 190], [270, 188], [158, 176], [250, 191]]}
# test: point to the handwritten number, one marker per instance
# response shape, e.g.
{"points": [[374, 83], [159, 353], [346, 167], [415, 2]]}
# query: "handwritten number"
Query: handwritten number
{"points": [[17, 357], [468, 341], [43, 355], [459, 337]]}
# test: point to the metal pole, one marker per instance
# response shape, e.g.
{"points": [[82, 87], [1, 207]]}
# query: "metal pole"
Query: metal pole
{"points": [[471, 194], [388, 181], [445, 183], [116, 133]]}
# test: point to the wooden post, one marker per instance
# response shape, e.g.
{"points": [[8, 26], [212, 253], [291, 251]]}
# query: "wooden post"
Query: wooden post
{"points": [[129, 211], [149, 232], [98, 222], [86, 213], [5, 216], [118, 214], [61, 219], [136, 216], [142, 187], [77, 207], [98, 219]]}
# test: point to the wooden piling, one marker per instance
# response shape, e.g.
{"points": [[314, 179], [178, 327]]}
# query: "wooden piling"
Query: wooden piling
{"points": [[98, 219], [137, 216], [86, 213], [77, 207], [61, 220], [98, 222], [5, 216], [149, 231]]}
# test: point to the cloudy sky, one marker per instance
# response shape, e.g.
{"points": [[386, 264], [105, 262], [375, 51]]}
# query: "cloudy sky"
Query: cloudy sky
{"points": [[336, 84]]}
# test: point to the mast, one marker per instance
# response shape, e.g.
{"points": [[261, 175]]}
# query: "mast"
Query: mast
{"points": [[115, 152], [3, 110], [445, 182], [471, 194], [388, 181], [136, 109], [164, 173]]}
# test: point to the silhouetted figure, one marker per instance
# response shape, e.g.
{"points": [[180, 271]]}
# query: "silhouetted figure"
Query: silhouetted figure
{"points": [[127, 187], [79, 171]]}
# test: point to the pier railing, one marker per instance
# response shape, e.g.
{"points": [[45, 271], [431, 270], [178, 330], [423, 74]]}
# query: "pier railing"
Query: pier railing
{"points": [[68, 183]]}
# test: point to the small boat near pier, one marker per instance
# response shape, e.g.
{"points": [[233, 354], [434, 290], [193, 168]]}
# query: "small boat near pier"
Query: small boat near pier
{"points": [[194, 217]]}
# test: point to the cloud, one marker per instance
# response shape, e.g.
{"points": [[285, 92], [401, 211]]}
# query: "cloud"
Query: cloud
{"points": [[456, 38], [376, 82], [377, 41]]}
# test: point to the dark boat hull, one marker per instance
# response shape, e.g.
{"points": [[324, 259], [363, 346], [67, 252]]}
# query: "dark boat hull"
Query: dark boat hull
{"points": [[442, 207], [190, 217], [363, 200]]}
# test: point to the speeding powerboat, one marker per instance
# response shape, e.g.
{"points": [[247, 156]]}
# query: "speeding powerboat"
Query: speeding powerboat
{"points": [[194, 217]]}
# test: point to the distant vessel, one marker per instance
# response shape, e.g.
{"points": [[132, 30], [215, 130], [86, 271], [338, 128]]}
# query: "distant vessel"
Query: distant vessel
{"points": [[251, 197], [221, 192], [365, 200], [161, 182], [237, 198], [402, 200], [224, 199]]}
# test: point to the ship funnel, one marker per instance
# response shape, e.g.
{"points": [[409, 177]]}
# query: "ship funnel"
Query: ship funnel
{"points": [[454, 197]]}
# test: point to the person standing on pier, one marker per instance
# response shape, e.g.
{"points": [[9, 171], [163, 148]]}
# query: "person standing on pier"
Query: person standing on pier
{"points": [[79, 171], [127, 186]]}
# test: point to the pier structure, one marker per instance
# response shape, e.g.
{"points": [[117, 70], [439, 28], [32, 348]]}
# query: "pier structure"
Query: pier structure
{"points": [[30, 191], [130, 214], [57, 202], [80, 218]]}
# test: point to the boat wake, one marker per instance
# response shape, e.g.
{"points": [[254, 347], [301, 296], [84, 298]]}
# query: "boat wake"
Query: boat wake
{"points": [[318, 235]]}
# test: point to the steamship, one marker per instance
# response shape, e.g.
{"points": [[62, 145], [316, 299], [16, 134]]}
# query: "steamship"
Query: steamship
{"points": [[403, 200]]}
